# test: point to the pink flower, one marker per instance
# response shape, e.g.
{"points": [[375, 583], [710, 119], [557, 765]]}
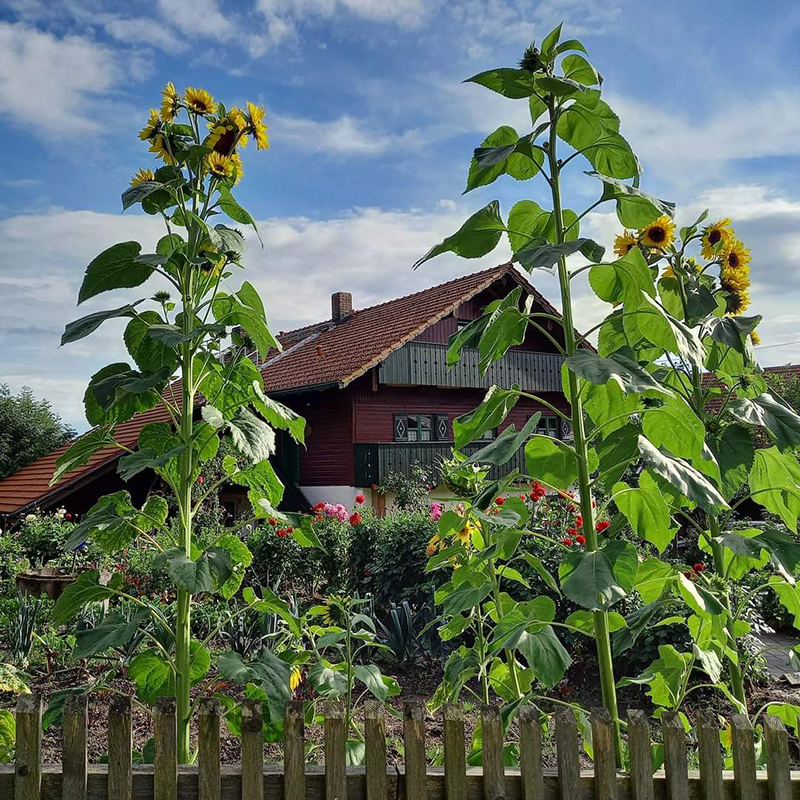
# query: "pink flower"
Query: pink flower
{"points": [[436, 510], [337, 511]]}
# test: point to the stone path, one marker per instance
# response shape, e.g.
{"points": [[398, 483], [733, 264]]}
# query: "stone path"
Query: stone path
{"points": [[778, 660]]}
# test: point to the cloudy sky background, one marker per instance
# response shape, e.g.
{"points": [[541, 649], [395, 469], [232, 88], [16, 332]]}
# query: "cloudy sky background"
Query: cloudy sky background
{"points": [[371, 132]]}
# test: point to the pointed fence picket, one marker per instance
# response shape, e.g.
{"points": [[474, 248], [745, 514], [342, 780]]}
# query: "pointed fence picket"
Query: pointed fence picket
{"points": [[76, 779]]}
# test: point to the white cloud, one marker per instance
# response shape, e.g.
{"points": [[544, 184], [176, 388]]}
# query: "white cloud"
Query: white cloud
{"points": [[51, 84], [198, 18], [404, 13], [143, 32]]}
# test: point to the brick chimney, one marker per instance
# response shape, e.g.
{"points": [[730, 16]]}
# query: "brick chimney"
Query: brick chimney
{"points": [[341, 306]]}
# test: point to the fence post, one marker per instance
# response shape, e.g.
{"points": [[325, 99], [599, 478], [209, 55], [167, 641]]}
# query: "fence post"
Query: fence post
{"points": [[640, 755], [676, 765], [530, 753], [744, 758], [294, 752], [252, 750], [165, 761], [455, 755], [375, 756], [119, 749], [414, 741], [335, 751], [74, 764], [569, 768], [778, 776], [208, 767], [28, 765], [494, 776], [605, 759], [710, 756]]}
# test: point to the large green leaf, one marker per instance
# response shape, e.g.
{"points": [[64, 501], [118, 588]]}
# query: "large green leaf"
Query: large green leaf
{"points": [[119, 401], [504, 152], [698, 598], [252, 437], [82, 327], [455, 599], [86, 589], [655, 579], [203, 574], [246, 309], [541, 254], [150, 355], [488, 415], [378, 685], [80, 451], [635, 209], [152, 674], [240, 557], [647, 512], [731, 331], [261, 481], [115, 630], [675, 427], [734, 451], [775, 484], [665, 676], [551, 461], [502, 449], [511, 83], [327, 680], [664, 330], [478, 236], [270, 603], [788, 595], [608, 405], [278, 415], [624, 280], [782, 422], [577, 68], [505, 327], [115, 268], [140, 460], [229, 205], [634, 625], [616, 452], [783, 550], [546, 656], [682, 476], [628, 375], [594, 580]]}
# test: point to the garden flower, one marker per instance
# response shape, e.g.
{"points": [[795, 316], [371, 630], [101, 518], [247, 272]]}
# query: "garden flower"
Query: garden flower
{"points": [[228, 132], [355, 519], [625, 242], [159, 146], [699, 567], [602, 525], [464, 536], [152, 127], [295, 678], [318, 508], [219, 166], [755, 338], [434, 544], [500, 500], [30, 517], [436, 511], [199, 101], [281, 533], [580, 539], [737, 301], [169, 102], [714, 234], [567, 542], [200, 479], [579, 521], [256, 126], [337, 512], [141, 176], [659, 233], [360, 499]]}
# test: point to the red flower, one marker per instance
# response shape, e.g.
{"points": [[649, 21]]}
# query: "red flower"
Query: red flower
{"points": [[290, 529], [699, 566], [281, 533], [374, 486], [200, 479], [580, 539], [689, 575], [355, 519], [567, 542], [500, 500], [572, 531], [602, 525], [571, 508], [272, 521], [360, 499], [318, 508], [579, 521], [68, 516], [522, 497]]}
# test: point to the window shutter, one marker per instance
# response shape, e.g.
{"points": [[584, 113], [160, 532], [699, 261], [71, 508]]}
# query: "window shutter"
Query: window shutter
{"points": [[442, 422], [400, 428]]}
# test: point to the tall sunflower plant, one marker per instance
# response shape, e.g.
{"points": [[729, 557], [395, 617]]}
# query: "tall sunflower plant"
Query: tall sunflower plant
{"points": [[176, 344], [671, 394]]}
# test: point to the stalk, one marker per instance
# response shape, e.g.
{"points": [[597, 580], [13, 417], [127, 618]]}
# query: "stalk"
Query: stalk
{"points": [[602, 635]]}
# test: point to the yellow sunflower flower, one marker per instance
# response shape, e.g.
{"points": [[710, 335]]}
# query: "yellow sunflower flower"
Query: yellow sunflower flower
{"points": [[142, 176], [720, 231], [755, 338], [236, 160], [158, 145], [464, 536], [295, 678], [736, 256], [737, 301], [169, 102], [659, 233], [257, 127], [625, 242], [199, 100], [434, 544], [228, 132], [221, 167], [152, 127]]}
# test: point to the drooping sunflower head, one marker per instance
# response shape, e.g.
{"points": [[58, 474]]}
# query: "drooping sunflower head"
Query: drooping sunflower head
{"points": [[152, 127], [659, 233], [755, 338], [256, 126], [160, 146], [531, 59], [228, 132], [625, 242], [720, 231], [690, 264], [142, 176], [737, 300], [170, 102], [238, 169], [220, 166], [199, 100], [214, 261], [434, 544]]}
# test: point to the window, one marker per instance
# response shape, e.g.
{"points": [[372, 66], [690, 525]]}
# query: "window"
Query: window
{"points": [[489, 435], [421, 427], [548, 426], [462, 323]]}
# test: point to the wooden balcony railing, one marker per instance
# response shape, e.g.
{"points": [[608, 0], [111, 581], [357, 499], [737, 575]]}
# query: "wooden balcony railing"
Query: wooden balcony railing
{"points": [[425, 364]]}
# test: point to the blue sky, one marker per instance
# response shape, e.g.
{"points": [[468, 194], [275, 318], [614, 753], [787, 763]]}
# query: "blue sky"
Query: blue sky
{"points": [[371, 132]]}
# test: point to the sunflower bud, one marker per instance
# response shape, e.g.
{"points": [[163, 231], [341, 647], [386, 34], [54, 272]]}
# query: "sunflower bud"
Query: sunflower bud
{"points": [[531, 60]]}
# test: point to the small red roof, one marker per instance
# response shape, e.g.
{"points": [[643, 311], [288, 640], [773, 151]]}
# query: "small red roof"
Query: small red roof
{"points": [[315, 356]]}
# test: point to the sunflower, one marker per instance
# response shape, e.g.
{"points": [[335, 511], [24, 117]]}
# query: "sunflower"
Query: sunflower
{"points": [[142, 176], [152, 127], [214, 261], [169, 102], [714, 234], [464, 536], [625, 242], [737, 301], [236, 160], [256, 125], [659, 233], [221, 167], [228, 132], [199, 100], [735, 257], [294, 678], [159, 146], [755, 338]]}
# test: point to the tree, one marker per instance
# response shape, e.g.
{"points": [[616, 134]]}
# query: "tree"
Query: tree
{"points": [[29, 428]]}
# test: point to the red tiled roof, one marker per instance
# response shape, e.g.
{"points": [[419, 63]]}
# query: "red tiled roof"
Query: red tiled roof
{"points": [[323, 354], [709, 379]]}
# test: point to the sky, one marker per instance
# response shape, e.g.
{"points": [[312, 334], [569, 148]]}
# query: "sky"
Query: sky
{"points": [[371, 130]]}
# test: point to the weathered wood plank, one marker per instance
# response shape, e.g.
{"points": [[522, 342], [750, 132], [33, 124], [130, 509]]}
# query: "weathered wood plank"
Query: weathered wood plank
{"points": [[639, 752], [494, 779], [335, 751], [119, 749], [455, 755], [569, 769], [676, 766], [605, 760], [165, 760], [414, 743], [778, 777], [208, 763], [530, 754], [744, 758], [74, 751], [28, 764], [375, 755], [252, 750], [294, 754], [710, 756]]}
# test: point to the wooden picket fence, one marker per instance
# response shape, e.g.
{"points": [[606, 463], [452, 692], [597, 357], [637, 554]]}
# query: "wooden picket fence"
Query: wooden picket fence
{"points": [[75, 779]]}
